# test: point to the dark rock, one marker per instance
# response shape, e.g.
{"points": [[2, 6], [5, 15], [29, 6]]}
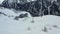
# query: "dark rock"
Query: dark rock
{"points": [[16, 18], [21, 16]]}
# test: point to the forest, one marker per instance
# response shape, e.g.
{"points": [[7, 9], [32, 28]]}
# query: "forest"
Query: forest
{"points": [[35, 8]]}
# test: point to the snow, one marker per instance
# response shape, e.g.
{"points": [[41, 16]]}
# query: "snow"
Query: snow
{"points": [[30, 0], [1, 1], [11, 12], [7, 11], [8, 25]]}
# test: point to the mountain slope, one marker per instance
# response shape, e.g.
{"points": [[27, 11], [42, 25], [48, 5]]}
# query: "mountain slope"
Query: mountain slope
{"points": [[30, 25]]}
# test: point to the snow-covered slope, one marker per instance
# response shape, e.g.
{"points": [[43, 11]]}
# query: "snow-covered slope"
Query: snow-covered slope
{"points": [[30, 25], [1, 1]]}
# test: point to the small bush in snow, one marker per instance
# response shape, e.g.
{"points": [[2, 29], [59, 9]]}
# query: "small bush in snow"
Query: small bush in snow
{"points": [[16, 18], [29, 28], [45, 29], [55, 26], [32, 21]]}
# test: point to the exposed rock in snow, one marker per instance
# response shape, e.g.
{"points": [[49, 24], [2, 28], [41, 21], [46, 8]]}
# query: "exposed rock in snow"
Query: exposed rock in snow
{"points": [[21, 16]]}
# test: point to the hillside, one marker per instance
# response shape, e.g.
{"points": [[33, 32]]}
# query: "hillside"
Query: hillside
{"points": [[48, 24]]}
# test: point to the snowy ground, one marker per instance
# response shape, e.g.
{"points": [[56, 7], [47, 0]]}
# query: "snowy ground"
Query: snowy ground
{"points": [[30, 25]]}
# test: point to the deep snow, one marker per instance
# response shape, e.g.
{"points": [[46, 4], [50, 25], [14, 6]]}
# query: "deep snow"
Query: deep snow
{"points": [[48, 24]]}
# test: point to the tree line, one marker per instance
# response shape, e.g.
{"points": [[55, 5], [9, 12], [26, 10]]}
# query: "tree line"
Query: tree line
{"points": [[36, 8]]}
